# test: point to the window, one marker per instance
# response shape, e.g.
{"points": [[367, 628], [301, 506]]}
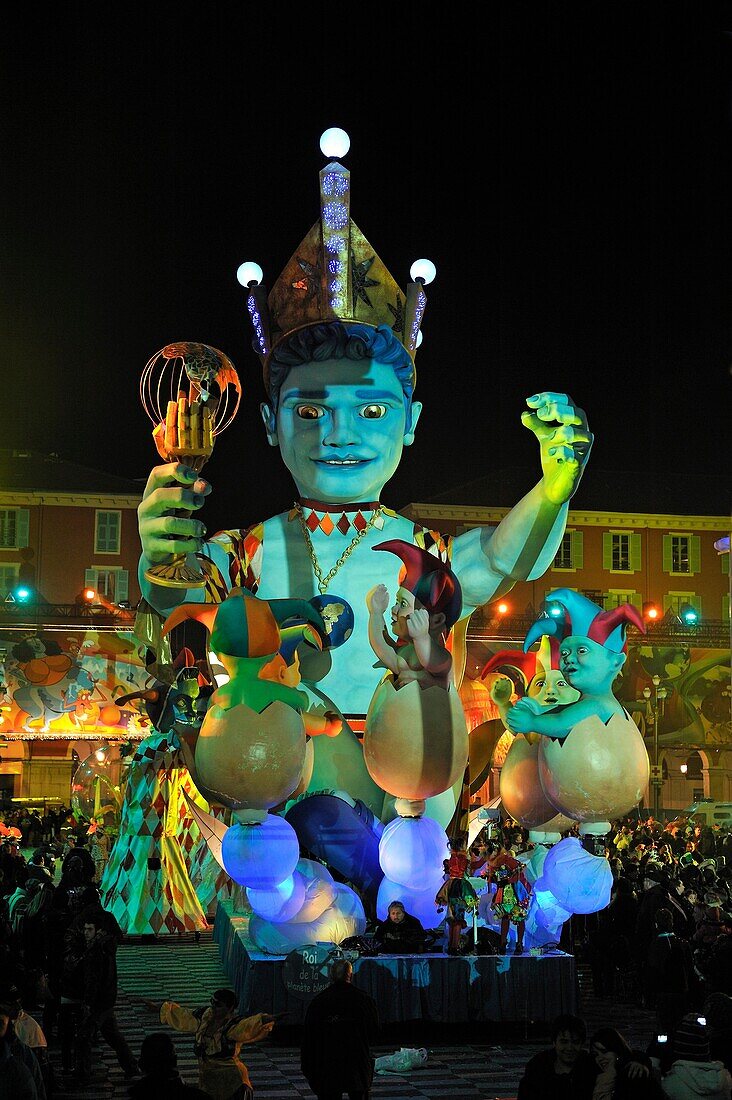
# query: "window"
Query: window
{"points": [[616, 596], [8, 577], [106, 535], [13, 528], [681, 554], [569, 556], [111, 584], [674, 601], [621, 551]]}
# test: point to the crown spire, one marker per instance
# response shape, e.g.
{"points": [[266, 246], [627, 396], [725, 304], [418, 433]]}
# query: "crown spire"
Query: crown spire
{"points": [[334, 274]]}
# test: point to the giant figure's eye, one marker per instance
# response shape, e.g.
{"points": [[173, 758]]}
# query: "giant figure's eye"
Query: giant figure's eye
{"points": [[309, 412], [373, 412]]}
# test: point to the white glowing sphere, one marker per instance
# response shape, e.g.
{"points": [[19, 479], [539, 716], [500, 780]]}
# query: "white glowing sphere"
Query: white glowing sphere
{"points": [[419, 338], [334, 142], [249, 272], [423, 271]]}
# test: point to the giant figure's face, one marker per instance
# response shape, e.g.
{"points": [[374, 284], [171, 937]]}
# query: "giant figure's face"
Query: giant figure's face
{"points": [[589, 666], [341, 427]]}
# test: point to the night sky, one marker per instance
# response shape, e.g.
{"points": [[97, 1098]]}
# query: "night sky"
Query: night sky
{"points": [[567, 168]]}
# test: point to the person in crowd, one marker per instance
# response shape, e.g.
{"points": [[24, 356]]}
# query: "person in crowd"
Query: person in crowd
{"points": [[340, 1025], [401, 933], [669, 974], [620, 1070], [20, 1072], [694, 1073], [563, 1072], [220, 1032], [718, 1014], [160, 1077], [29, 1031], [610, 946], [99, 994]]}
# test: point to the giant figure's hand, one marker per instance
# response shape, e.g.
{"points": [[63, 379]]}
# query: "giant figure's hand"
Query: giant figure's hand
{"points": [[521, 718], [564, 439], [418, 623], [501, 691], [377, 600], [171, 488]]}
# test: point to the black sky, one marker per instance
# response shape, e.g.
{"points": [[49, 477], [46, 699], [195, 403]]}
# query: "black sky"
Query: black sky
{"points": [[566, 167]]}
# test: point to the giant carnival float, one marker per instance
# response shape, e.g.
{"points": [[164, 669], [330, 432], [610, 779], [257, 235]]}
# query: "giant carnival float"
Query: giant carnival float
{"points": [[307, 755]]}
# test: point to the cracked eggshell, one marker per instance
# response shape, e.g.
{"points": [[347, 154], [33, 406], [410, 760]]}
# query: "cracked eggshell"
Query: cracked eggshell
{"points": [[599, 772], [249, 759], [522, 794], [415, 742]]}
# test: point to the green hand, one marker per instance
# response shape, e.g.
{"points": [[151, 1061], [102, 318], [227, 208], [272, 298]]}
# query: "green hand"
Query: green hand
{"points": [[565, 442]]}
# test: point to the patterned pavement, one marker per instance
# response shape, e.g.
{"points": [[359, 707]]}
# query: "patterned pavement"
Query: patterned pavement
{"points": [[467, 1064]]}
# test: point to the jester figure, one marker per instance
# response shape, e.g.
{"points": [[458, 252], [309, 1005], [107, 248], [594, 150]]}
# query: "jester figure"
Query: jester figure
{"points": [[593, 762], [511, 900]]}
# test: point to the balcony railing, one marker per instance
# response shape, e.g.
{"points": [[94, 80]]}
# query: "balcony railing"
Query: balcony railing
{"points": [[37, 615], [715, 633]]}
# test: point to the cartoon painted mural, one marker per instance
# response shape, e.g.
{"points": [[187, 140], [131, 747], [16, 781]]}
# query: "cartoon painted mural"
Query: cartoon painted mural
{"points": [[68, 683]]}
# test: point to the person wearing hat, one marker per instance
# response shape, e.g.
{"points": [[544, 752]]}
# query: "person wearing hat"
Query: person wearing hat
{"points": [[693, 1072], [220, 1032]]}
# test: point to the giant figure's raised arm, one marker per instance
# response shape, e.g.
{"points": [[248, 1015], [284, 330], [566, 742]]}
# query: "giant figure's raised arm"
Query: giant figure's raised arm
{"points": [[522, 547]]}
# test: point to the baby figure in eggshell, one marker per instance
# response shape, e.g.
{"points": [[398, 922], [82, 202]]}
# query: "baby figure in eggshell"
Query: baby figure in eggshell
{"points": [[427, 604]]}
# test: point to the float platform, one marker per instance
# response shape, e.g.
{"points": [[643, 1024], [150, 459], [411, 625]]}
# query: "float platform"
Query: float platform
{"points": [[435, 987]]}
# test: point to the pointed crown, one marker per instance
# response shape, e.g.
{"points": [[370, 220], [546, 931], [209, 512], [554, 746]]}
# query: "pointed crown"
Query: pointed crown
{"points": [[333, 275]]}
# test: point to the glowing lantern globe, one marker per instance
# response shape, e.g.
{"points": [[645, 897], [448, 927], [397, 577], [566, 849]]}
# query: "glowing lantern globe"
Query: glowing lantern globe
{"points": [[411, 851], [281, 902], [579, 881], [261, 856]]}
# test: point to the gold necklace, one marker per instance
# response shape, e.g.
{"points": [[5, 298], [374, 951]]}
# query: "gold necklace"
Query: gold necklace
{"points": [[324, 581]]}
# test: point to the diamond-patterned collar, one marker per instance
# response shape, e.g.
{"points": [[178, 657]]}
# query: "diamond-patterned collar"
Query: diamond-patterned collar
{"points": [[346, 518]]}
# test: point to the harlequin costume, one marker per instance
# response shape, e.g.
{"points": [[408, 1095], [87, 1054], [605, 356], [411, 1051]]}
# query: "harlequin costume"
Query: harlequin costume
{"points": [[509, 904], [458, 895]]}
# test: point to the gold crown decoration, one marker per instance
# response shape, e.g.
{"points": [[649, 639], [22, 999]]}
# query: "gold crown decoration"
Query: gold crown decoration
{"points": [[334, 274]]}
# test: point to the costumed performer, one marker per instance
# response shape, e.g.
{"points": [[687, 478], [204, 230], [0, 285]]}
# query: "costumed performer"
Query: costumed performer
{"points": [[457, 892], [511, 900]]}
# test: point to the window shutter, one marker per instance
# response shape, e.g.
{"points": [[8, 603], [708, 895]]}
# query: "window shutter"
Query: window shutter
{"points": [[577, 550], [667, 559], [122, 578], [113, 519], [694, 554], [636, 599], [21, 528], [725, 606], [607, 550], [696, 603], [90, 578], [635, 553], [725, 563]]}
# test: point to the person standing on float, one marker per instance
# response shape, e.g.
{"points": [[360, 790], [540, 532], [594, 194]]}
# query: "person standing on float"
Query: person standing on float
{"points": [[339, 376]]}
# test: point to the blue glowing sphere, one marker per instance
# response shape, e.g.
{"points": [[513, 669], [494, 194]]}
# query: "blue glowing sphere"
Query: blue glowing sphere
{"points": [[337, 614], [579, 881], [281, 902], [261, 856], [412, 850]]}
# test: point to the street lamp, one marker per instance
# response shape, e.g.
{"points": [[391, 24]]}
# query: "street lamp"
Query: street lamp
{"points": [[654, 711]]}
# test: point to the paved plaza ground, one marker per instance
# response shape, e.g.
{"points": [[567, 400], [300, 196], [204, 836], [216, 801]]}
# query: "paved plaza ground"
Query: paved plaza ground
{"points": [[479, 1063]]}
